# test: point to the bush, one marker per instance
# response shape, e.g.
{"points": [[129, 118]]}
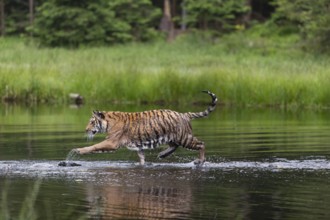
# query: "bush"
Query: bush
{"points": [[216, 15], [311, 18], [99, 22]]}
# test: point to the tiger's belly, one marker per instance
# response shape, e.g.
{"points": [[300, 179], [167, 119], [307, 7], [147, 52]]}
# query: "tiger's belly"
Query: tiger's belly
{"points": [[147, 144]]}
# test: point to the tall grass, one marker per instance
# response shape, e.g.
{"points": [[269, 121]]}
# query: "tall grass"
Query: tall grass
{"points": [[241, 69]]}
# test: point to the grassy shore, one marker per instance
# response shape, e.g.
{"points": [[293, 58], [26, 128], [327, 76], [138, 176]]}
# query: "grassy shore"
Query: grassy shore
{"points": [[243, 69]]}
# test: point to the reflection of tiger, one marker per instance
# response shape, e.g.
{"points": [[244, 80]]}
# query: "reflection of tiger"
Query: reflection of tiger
{"points": [[146, 130]]}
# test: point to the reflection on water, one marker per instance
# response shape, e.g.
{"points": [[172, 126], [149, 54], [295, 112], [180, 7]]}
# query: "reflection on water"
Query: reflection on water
{"points": [[262, 164], [159, 196]]}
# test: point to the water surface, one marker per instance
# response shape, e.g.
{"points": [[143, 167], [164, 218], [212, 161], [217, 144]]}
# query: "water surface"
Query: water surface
{"points": [[261, 164]]}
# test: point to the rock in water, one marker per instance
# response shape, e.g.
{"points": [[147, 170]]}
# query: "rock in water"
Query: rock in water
{"points": [[68, 164]]}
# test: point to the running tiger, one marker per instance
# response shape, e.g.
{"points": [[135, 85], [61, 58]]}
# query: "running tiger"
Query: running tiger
{"points": [[146, 130]]}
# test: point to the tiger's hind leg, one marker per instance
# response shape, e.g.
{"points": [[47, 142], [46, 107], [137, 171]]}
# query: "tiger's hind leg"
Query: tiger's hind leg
{"points": [[192, 143], [141, 156], [168, 151]]}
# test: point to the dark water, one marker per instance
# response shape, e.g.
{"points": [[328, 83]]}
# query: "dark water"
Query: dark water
{"points": [[261, 164]]}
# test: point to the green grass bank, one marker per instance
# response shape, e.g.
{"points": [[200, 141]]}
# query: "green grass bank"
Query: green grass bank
{"points": [[243, 69]]}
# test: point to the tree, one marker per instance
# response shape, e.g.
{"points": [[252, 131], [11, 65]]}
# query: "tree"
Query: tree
{"points": [[140, 15], [219, 16], [73, 23], [166, 23], [98, 22], [311, 18], [2, 17], [31, 12], [17, 15]]}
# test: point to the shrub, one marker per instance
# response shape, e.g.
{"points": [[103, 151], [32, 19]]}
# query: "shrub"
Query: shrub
{"points": [[311, 18], [215, 15], [99, 22]]}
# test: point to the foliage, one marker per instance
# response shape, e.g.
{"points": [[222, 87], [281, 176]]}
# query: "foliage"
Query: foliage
{"points": [[99, 22], [60, 23], [244, 69], [141, 16], [312, 19], [16, 16], [217, 15]]}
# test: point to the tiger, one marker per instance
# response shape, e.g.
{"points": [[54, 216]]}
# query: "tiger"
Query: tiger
{"points": [[139, 131]]}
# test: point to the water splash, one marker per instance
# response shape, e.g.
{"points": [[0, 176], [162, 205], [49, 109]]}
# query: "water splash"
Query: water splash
{"points": [[72, 155], [69, 159]]}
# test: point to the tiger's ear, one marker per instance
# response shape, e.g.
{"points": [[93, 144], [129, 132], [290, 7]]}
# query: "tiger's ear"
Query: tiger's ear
{"points": [[98, 114]]}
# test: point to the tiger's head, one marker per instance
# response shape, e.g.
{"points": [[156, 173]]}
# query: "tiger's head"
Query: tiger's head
{"points": [[97, 124]]}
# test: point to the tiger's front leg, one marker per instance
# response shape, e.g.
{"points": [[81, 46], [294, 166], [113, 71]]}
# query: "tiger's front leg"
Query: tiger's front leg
{"points": [[106, 145]]}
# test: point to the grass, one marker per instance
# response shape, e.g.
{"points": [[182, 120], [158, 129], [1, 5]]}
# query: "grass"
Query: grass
{"points": [[250, 68]]}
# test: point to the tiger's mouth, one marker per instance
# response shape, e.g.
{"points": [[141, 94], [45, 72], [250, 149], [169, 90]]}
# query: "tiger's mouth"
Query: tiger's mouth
{"points": [[91, 134]]}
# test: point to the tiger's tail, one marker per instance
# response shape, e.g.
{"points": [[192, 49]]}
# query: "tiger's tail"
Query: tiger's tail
{"points": [[205, 113]]}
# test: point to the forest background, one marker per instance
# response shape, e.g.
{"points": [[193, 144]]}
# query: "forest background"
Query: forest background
{"points": [[249, 52]]}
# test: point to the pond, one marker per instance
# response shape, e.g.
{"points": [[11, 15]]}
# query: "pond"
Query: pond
{"points": [[261, 164]]}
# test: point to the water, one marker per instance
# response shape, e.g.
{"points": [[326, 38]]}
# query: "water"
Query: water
{"points": [[261, 164]]}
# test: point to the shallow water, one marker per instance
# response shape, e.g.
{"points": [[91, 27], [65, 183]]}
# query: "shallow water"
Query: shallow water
{"points": [[261, 164]]}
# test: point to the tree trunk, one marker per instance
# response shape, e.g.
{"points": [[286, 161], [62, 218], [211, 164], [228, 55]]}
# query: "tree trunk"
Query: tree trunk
{"points": [[31, 14], [166, 23], [247, 16], [183, 17], [2, 17]]}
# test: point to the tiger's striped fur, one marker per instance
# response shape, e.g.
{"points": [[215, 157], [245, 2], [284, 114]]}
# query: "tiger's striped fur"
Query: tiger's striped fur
{"points": [[146, 130]]}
